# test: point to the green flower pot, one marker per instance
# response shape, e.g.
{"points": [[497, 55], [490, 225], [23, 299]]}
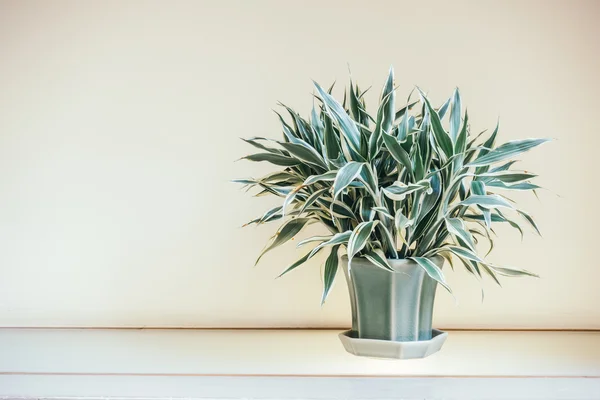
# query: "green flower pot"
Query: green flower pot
{"points": [[395, 306]]}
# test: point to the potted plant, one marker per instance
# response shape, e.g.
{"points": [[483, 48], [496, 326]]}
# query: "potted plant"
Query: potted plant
{"points": [[399, 192]]}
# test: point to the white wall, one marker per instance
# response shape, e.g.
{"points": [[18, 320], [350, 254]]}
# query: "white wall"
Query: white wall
{"points": [[119, 124]]}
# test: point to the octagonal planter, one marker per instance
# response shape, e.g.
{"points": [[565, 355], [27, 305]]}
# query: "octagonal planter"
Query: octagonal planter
{"points": [[391, 307]]}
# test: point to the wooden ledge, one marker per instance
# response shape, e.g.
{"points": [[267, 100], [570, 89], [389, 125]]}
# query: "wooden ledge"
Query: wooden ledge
{"points": [[165, 363]]}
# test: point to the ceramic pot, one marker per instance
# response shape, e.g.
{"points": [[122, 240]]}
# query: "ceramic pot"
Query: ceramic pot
{"points": [[391, 305]]}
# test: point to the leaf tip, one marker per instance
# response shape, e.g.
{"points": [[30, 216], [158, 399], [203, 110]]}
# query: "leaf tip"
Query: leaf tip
{"points": [[323, 300]]}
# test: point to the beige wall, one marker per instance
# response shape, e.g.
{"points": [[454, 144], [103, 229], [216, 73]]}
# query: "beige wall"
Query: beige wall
{"points": [[119, 124]]}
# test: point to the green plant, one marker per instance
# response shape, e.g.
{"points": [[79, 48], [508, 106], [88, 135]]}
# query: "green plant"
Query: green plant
{"points": [[399, 185]]}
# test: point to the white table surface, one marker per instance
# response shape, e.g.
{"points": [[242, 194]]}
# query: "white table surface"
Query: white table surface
{"points": [[164, 363]]}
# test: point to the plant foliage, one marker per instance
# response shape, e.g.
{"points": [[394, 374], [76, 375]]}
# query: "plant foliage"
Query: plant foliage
{"points": [[406, 183]]}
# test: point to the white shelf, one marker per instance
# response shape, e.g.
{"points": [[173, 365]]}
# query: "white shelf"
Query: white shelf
{"points": [[290, 364]]}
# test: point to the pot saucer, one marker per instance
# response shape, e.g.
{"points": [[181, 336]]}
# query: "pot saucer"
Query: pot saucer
{"points": [[390, 349]]}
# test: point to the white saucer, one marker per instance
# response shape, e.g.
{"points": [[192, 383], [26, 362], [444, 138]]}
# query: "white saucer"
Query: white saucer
{"points": [[390, 349]]}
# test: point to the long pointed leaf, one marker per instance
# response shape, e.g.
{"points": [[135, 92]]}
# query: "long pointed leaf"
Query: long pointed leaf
{"points": [[312, 198], [331, 267], [287, 231], [464, 253], [345, 176], [276, 159], [512, 271], [506, 151], [456, 227], [328, 176], [399, 193], [432, 270], [338, 238], [396, 150], [440, 135], [296, 264], [455, 114], [359, 237], [378, 258], [305, 152], [338, 113], [488, 201], [530, 220]]}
